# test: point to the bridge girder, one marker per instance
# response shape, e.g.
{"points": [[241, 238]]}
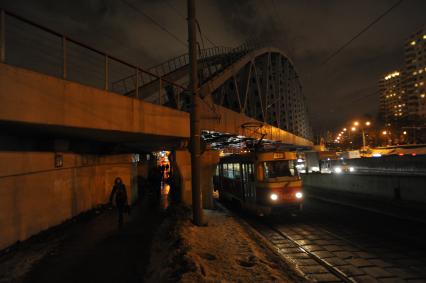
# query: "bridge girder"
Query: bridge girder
{"points": [[260, 83]]}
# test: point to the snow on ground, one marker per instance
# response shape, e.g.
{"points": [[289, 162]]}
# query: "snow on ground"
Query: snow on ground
{"points": [[222, 251]]}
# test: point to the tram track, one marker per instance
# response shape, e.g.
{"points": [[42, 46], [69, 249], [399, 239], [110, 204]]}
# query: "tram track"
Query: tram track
{"points": [[319, 254], [270, 233]]}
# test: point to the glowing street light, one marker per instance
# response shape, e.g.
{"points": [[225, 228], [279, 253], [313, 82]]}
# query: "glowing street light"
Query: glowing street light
{"points": [[353, 129], [356, 123], [384, 133], [344, 129], [405, 132], [367, 123]]}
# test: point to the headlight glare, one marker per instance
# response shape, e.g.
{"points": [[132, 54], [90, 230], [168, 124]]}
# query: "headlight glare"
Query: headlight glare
{"points": [[273, 196]]}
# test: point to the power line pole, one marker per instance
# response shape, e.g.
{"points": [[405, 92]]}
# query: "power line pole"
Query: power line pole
{"points": [[194, 116]]}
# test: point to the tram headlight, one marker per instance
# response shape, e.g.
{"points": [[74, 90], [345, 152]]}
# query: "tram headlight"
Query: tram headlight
{"points": [[273, 196], [338, 170], [299, 195], [351, 169]]}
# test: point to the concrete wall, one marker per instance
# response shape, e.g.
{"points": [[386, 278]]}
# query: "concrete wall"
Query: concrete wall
{"points": [[35, 195], [31, 97], [411, 188]]}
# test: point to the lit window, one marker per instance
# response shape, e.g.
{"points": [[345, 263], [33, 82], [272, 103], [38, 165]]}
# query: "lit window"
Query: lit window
{"points": [[422, 95], [413, 42], [414, 73], [416, 85], [420, 71], [424, 36]]}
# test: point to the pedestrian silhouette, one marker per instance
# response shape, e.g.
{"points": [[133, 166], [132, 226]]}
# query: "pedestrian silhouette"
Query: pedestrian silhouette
{"points": [[119, 190]]}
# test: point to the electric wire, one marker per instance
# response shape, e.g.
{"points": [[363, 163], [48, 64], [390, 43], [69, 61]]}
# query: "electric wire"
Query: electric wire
{"points": [[366, 28], [152, 20]]}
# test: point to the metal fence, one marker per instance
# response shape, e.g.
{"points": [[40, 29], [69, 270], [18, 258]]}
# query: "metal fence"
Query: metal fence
{"points": [[127, 84], [26, 44]]}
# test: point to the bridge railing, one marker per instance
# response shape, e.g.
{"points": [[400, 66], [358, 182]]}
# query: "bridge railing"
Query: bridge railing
{"points": [[126, 84], [26, 44]]}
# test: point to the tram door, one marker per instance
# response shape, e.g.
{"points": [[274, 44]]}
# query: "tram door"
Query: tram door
{"points": [[247, 178], [244, 181]]}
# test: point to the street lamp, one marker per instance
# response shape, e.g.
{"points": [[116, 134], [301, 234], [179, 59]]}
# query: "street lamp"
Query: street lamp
{"points": [[368, 123], [356, 123]]}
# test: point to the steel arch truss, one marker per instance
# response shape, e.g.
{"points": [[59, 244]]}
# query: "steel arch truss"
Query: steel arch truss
{"points": [[266, 88]]}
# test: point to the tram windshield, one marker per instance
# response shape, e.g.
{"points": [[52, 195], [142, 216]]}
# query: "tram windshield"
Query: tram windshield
{"points": [[279, 168]]}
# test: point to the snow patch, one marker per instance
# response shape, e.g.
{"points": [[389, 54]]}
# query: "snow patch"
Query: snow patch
{"points": [[222, 251]]}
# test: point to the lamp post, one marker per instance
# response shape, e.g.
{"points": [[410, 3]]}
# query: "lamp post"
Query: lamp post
{"points": [[356, 124]]}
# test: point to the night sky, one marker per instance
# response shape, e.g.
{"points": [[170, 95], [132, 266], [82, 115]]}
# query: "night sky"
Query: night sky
{"points": [[308, 31]]}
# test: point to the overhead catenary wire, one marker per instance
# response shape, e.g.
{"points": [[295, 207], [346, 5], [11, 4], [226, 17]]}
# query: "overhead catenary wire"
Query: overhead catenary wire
{"points": [[177, 12], [366, 28], [152, 20]]}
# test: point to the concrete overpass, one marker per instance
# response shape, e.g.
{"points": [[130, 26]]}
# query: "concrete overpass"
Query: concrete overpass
{"points": [[63, 142]]}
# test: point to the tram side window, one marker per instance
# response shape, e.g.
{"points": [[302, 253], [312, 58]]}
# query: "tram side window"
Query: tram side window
{"points": [[228, 171], [292, 167], [237, 171], [225, 170], [216, 172], [250, 172]]}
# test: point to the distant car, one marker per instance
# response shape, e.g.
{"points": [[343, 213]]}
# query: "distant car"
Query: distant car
{"points": [[343, 168]]}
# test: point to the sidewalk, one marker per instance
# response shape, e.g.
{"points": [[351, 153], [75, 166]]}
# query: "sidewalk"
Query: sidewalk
{"points": [[223, 251], [91, 249]]}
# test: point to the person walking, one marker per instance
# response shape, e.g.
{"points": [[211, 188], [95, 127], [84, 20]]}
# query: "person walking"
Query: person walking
{"points": [[120, 193]]}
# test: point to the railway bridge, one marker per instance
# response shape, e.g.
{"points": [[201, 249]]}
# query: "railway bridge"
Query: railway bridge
{"points": [[73, 118]]}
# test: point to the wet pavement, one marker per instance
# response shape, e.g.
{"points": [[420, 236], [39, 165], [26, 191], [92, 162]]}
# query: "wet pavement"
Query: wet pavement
{"points": [[91, 249]]}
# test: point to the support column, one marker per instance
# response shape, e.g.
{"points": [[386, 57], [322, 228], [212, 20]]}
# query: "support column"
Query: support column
{"points": [[209, 160], [183, 166]]}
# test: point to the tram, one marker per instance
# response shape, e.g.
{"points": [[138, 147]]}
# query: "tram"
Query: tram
{"points": [[262, 182]]}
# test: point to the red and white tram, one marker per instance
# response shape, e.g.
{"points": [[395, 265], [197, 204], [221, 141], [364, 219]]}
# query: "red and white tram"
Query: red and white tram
{"points": [[262, 182]]}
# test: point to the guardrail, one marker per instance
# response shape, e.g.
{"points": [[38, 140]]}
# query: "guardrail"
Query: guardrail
{"points": [[27, 44], [407, 165], [127, 84]]}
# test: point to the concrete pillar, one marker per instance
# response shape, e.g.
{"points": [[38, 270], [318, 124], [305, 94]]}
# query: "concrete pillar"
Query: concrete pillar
{"points": [[183, 164], [209, 160]]}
